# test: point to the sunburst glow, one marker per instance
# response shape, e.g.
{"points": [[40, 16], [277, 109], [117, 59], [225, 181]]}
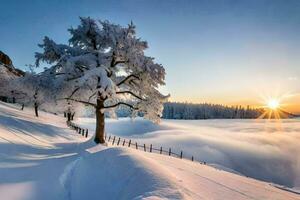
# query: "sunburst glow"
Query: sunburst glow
{"points": [[273, 104], [273, 107]]}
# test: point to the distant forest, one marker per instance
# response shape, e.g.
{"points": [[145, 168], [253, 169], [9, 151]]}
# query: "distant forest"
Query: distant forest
{"points": [[174, 110]]}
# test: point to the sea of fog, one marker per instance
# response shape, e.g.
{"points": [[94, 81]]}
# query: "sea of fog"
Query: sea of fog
{"points": [[268, 150]]}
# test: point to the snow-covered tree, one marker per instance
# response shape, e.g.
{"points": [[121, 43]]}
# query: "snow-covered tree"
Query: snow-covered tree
{"points": [[32, 90], [104, 66]]}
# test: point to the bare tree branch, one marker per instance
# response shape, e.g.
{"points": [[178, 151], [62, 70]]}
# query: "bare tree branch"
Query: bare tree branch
{"points": [[73, 78], [80, 101], [121, 103], [92, 95], [74, 92], [81, 67], [60, 73], [129, 92], [127, 78]]}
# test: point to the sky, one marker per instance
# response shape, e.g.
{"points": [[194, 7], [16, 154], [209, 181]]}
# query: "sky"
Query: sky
{"points": [[225, 51]]}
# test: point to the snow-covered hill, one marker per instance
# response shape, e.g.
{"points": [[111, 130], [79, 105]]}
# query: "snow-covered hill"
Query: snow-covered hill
{"points": [[10, 72], [40, 158], [7, 74]]}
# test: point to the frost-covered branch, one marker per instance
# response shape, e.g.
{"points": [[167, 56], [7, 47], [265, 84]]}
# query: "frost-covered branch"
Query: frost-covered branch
{"points": [[120, 103], [132, 76], [131, 93], [80, 101]]}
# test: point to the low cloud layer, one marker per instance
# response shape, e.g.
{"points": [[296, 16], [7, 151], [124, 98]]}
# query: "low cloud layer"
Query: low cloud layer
{"points": [[266, 150]]}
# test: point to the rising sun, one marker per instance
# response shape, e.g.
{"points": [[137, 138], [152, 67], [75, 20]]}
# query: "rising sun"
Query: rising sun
{"points": [[273, 104], [273, 108]]}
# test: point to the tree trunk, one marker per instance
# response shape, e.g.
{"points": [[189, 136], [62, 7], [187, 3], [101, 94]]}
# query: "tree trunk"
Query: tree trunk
{"points": [[99, 135], [22, 108], [69, 116], [36, 109], [72, 116]]}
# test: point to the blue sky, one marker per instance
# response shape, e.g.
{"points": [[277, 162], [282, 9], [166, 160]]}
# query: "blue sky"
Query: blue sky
{"points": [[213, 51]]}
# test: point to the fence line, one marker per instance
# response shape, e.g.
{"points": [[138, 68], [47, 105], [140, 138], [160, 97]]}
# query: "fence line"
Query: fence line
{"points": [[78, 129], [118, 141]]}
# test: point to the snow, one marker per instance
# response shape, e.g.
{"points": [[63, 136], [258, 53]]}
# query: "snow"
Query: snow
{"points": [[6, 74], [41, 158], [123, 170], [6, 77], [139, 175], [34, 153], [262, 149]]}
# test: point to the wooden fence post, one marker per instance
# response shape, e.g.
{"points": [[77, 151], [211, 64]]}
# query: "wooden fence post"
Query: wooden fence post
{"points": [[150, 147], [108, 138], [192, 158], [170, 151], [124, 142], [86, 133], [114, 140], [160, 151], [136, 145], [129, 143], [118, 141], [82, 132], [181, 154], [144, 147]]}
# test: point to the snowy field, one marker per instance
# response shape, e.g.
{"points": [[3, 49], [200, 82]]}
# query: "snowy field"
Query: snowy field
{"points": [[262, 149], [41, 158]]}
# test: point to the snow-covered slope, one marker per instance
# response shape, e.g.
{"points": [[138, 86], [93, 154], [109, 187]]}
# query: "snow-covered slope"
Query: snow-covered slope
{"points": [[262, 149], [9, 72], [33, 153], [40, 158], [125, 173]]}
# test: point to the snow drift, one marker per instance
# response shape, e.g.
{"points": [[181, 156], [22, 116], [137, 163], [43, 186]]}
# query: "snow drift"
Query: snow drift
{"points": [[121, 174]]}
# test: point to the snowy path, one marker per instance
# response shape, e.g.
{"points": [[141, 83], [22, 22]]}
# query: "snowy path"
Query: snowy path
{"points": [[43, 159], [34, 153]]}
